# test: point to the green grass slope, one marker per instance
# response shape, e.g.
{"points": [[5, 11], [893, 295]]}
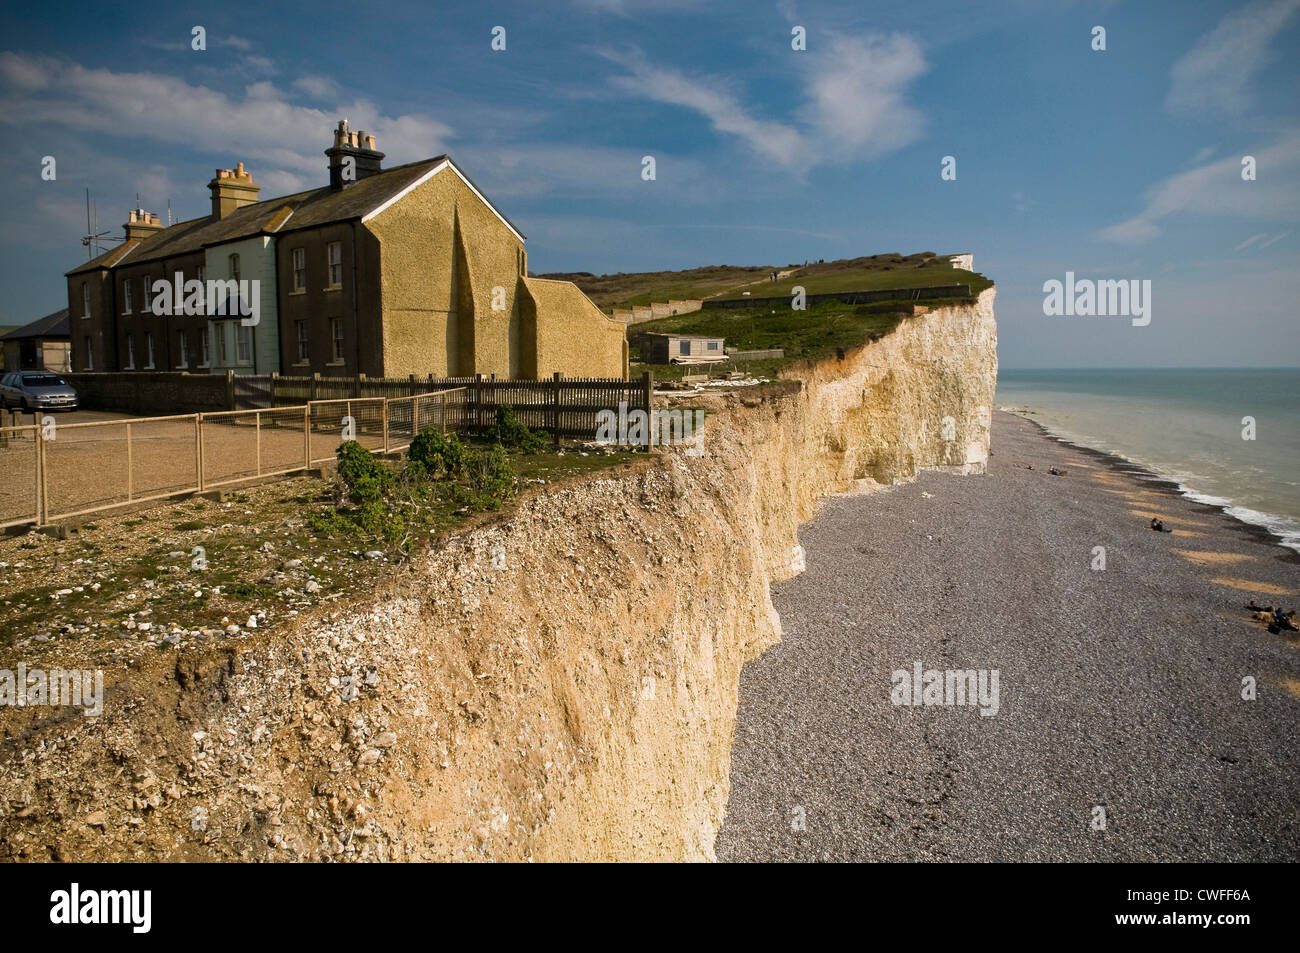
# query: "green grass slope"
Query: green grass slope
{"points": [[871, 273]]}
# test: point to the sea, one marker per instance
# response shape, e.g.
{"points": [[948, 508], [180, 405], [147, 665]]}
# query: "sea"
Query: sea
{"points": [[1188, 425]]}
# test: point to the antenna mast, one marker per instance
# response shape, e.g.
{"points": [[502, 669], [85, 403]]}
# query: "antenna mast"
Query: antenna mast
{"points": [[93, 240]]}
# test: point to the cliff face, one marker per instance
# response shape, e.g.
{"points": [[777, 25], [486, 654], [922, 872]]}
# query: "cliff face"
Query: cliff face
{"points": [[560, 684]]}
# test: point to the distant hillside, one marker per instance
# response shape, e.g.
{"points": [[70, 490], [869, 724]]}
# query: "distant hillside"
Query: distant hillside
{"points": [[625, 290], [875, 272]]}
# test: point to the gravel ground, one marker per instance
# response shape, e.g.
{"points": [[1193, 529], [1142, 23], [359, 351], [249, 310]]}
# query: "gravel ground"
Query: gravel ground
{"points": [[1119, 689]]}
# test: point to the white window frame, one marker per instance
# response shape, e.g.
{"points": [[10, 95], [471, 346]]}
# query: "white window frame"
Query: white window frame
{"points": [[223, 352], [146, 296], [301, 334], [148, 344], [336, 335], [130, 351], [128, 298], [243, 343], [331, 250], [185, 351], [205, 346], [85, 301], [298, 264], [90, 352]]}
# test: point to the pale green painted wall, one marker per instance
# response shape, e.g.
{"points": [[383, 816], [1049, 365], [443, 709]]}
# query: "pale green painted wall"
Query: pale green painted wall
{"points": [[256, 262]]}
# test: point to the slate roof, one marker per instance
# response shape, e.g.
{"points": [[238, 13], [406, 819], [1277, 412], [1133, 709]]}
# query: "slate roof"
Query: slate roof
{"points": [[305, 210], [51, 326]]}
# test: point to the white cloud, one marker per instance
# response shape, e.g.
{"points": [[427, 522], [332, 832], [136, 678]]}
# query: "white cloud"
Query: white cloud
{"points": [[318, 87], [1274, 239], [1218, 189], [856, 90], [1250, 241], [1215, 74], [277, 138], [629, 7], [711, 99]]}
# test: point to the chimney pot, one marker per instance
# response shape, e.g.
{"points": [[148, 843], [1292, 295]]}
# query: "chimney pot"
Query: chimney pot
{"points": [[232, 189], [141, 224], [358, 146]]}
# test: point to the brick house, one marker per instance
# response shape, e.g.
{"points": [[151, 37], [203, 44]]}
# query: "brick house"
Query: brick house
{"points": [[385, 272]]}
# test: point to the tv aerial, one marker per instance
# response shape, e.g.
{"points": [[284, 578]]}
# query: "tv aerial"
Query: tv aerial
{"points": [[96, 242]]}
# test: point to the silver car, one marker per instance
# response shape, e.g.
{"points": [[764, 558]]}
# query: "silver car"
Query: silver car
{"points": [[36, 390]]}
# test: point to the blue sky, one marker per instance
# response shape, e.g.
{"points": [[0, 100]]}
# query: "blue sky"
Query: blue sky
{"points": [[1123, 163]]}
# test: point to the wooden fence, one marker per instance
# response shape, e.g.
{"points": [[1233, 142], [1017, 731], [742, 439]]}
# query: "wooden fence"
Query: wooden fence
{"points": [[561, 406]]}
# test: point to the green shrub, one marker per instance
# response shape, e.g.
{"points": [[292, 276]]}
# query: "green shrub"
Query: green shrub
{"points": [[489, 478], [509, 432], [362, 478], [436, 453]]}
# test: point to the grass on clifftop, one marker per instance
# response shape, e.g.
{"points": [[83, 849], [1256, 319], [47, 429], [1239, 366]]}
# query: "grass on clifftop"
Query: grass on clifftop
{"points": [[872, 273], [814, 334]]}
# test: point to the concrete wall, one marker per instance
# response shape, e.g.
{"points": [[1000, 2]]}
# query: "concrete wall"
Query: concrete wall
{"points": [[847, 297], [657, 309], [765, 355], [568, 333], [153, 394]]}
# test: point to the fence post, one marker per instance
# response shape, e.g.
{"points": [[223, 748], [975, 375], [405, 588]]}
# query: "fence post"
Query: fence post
{"points": [[385, 423], [555, 407], [315, 379], [230, 390], [306, 436], [410, 386], [275, 383], [477, 426], [198, 448], [257, 432], [356, 384], [647, 395], [130, 483], [42, 484], [415, 416]]}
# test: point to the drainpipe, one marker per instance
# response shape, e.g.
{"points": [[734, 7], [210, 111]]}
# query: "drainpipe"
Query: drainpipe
{"points": [[356, 317]]}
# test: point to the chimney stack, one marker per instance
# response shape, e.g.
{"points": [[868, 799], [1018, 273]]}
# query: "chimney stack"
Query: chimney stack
{"points": [[232, 189], [353, 157], [141, 224]]}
